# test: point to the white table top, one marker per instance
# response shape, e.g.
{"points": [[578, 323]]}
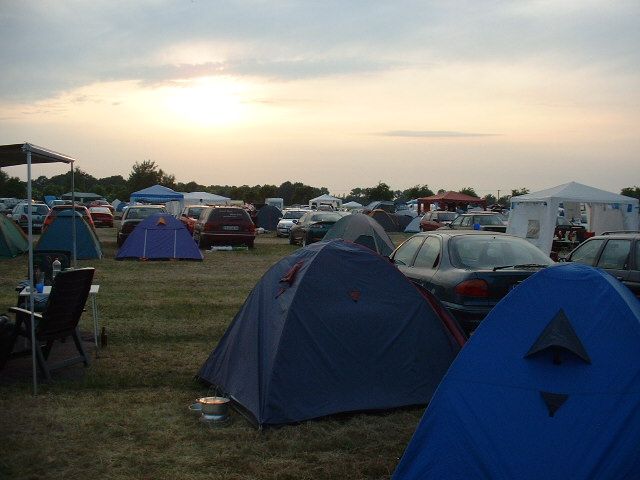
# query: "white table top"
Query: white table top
{"points": [[47, 290]]}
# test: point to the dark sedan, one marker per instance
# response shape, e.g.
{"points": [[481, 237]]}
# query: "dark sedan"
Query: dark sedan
{"points": [[468, 271], [313, 226], [132, 216], [487, 221], [617, 253]]}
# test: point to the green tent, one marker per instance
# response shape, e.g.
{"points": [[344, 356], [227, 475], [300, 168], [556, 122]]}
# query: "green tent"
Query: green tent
{"points": [[12, 239]]}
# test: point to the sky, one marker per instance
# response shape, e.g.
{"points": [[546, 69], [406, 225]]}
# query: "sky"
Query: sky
{"points": [[494, 95]]}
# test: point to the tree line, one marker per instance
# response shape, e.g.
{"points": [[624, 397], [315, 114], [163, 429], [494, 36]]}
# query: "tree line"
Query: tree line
{"points": [[146, 174]]}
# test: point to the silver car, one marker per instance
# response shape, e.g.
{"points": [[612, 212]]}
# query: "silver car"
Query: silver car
{"points": [[39, 211], [289, 218]]}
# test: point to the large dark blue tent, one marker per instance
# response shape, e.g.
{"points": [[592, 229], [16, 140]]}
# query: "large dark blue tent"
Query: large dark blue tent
{"points": [[334, 327], [548, 388], [160, 237]]}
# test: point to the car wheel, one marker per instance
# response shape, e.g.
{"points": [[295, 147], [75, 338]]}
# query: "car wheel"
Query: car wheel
{"points": [[292, 241], [250, 245]]}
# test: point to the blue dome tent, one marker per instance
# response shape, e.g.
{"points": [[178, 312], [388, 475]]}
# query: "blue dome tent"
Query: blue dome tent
{"points": [[160, 237], [334, 327], [59, 236], [548, 387]]}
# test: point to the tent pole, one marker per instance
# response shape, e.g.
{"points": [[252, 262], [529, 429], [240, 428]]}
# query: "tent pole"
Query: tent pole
{"points": [[73, 216], [31, 279]]}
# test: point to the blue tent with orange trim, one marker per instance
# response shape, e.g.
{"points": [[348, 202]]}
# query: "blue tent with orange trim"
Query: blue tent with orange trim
{"points": [[160, 237], [548, 388]]}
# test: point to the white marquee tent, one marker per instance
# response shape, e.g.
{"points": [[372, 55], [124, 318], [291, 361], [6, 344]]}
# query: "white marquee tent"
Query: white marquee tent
{"points": [[325, 199], [533, 216]]}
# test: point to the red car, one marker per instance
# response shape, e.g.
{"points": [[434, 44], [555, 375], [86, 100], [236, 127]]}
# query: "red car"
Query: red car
{"points": [[436, 219], [101, 216], [101, 203], [190, 215], [59, 208]]}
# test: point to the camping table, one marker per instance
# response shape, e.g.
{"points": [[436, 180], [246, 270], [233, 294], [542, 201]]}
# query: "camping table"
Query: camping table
{"points": [[93, 292]]}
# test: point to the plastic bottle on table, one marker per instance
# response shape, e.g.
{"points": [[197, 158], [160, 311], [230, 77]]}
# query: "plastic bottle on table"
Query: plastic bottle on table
{"points": [[56, 266]]}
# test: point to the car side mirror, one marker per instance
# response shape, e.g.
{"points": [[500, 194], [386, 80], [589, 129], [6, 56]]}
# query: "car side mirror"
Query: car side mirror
{"points": [[450, 225], [295, 221]]}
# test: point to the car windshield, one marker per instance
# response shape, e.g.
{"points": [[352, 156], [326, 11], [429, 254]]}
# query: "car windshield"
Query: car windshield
{"points": [[38, 209], [445, 216], [326, 217], [230, 214], [294, 215], [488, 220], [488, 252]]}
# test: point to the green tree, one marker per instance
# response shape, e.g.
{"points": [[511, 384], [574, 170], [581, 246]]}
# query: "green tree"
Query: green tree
{"points": [[418, 191], [379, 192], [522, 191], [490, 199], [146, 174], [468, 191], [12, 186], [631, 192]]}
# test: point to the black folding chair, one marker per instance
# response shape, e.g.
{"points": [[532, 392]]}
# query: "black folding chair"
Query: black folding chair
{"points": [[59, 319]]}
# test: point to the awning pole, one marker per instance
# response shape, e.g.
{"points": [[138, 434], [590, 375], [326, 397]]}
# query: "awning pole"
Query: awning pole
{"points": [[73, 216], [31, 279]]}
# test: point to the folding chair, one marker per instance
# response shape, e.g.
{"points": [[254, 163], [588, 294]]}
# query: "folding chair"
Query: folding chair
{"points": [[59, 319]]}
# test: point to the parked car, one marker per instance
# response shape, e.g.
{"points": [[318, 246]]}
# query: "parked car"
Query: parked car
{"points": [[313, 226], [101, 216], [289, 218], [224, 226], [617, 253], [469, 271], [189, 216], [132, 216], [436, 219], [486, 221], [20, 215], [56, 209], [101, 203]]}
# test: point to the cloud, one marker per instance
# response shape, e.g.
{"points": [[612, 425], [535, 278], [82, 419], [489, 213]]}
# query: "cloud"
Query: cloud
{"points": [[433, 134], [58, 46]]}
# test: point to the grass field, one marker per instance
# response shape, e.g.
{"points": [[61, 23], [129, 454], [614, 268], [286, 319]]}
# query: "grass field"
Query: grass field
{"points": [[126, 415]]}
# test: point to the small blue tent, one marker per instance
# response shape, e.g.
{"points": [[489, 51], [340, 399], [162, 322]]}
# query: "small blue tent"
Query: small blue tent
{"points": [[59, 236], [331, 328], [268, 217], [160, 237], [548, 388], [414, 225]]}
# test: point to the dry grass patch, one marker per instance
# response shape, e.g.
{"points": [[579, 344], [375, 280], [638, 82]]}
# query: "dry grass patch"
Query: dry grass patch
{"points": [[126, 416]]}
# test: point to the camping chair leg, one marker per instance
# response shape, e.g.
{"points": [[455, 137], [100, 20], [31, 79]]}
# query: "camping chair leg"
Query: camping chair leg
{"points": [[47, 349], [78, 342], [42, 362]]}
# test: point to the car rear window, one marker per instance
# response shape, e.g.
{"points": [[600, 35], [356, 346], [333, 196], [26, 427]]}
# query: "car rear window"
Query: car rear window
{"points": [[487, 252], [194, 212], [229, 214], [38, 209], [138, 213], [445, 217]]}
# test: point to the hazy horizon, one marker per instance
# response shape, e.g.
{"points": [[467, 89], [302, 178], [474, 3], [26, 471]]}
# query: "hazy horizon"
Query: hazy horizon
{"points": [[492, 95]]}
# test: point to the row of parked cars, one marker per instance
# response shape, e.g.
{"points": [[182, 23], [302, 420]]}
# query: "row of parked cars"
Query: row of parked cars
{"points": [[209, 225], [96, 214]]}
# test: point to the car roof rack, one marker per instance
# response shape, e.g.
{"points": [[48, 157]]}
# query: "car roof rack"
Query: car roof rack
{"points": [[616, 232]]}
